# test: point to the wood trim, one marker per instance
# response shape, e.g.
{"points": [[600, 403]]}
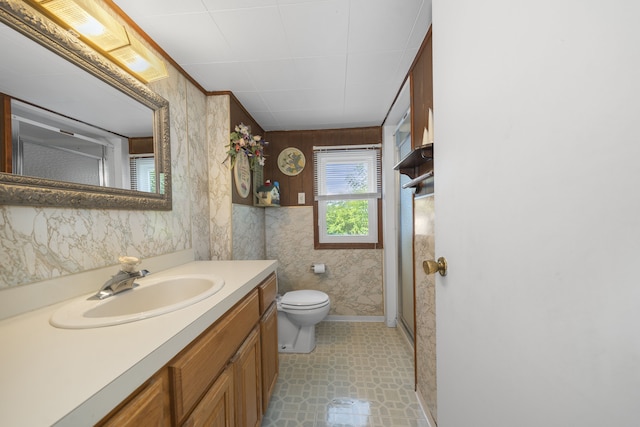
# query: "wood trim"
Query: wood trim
{"points": [[421, 91], [152, 43], [415, 309], [168, 58], [305, 140], [404, 81], [237, 101], [141, 145], [238, 114], [427, 39], [6, 147]]}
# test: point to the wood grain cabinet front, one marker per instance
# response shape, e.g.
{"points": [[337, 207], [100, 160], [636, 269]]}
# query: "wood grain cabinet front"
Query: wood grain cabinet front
{"points": [[146, 407], [248, 381], [223, 378], [268, 289], [216, 409], [269, 356], [195, 369]]}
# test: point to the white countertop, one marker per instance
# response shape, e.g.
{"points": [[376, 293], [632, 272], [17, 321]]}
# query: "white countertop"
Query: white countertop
{"points": [[73, 377]]}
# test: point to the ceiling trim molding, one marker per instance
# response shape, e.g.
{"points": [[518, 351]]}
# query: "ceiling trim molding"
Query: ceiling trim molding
{"points": [[130, 22]]}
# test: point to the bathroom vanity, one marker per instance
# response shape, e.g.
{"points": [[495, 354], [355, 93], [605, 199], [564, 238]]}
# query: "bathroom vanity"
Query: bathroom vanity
{"points": [[205, 364]]}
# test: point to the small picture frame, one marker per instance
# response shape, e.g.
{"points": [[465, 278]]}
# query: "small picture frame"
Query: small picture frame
{"points": [[291, 161], [242, 175]]}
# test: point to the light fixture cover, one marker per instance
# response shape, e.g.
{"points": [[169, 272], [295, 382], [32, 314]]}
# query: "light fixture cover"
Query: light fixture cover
{"points": [[140, 61], [90, 21], [108, 35]]}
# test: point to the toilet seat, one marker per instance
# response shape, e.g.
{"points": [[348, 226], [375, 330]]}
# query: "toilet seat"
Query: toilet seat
{"points": [[304, 300], [303, 307]]}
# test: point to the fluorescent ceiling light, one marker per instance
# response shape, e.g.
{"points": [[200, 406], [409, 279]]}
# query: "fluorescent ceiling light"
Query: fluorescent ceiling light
{"points": [[108, 35], [140, 61], [90, 21]]}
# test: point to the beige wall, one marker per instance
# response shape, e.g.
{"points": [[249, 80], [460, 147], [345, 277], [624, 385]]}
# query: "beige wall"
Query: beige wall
{"points": [[39, 243], [353, 279], [424, 210], [248, 232]]}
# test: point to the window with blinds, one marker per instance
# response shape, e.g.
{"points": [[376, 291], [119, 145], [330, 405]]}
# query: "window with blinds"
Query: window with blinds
{"points": [[143, 173], [348, 184]]}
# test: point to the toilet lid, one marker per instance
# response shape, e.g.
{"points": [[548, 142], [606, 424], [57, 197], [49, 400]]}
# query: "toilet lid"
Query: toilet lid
{"points": [[304, 298]]}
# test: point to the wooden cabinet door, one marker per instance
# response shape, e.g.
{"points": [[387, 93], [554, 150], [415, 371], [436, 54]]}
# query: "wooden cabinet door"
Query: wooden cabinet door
{"points": [[269, 344], [195, 368], [216, 409], [147, 407], [268, 290], [248, 382]]}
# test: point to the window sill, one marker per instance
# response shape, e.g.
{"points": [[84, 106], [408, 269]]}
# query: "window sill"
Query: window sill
{"points": [[347, 246]]}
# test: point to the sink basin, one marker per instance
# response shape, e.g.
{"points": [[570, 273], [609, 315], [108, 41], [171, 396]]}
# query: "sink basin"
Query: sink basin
{"points": [[152, 297]]}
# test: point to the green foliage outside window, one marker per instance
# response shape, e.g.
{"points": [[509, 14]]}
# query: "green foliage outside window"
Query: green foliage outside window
{"points": [[348, 218]]}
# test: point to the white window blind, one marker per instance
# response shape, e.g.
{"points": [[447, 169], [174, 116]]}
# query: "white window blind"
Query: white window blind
{"points": [[143, 173], [347, 172]]}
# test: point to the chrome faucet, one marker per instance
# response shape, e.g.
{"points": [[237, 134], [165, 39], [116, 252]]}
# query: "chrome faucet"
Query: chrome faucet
{"points": [[123, 280]]}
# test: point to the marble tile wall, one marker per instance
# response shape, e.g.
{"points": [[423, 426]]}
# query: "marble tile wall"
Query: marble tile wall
{"points": [[353, 279], [42, 243], [38, 243], [424, 248], [198, 173], [220, 214], [248, 232]]}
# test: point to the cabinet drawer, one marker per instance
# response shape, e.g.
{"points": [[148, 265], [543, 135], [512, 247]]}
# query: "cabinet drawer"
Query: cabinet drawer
{"points": [[216, 409], [193, 370], [146, 407], [268, 289]]}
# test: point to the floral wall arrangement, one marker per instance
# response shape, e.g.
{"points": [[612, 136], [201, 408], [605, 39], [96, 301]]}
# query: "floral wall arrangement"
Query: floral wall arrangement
{"points": [[241, 140]]}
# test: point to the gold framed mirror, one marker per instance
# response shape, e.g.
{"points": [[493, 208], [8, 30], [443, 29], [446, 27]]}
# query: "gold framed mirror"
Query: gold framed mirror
{"points": [[34, 191]]}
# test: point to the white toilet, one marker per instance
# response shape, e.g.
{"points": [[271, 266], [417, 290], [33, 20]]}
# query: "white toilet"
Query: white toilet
{"points": [[298, 314]]}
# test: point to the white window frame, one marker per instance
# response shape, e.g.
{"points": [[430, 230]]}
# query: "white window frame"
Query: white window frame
{"points": [[141, 166], [368, 154]]}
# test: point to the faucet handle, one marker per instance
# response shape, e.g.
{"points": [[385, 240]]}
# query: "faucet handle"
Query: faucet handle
{"points": [[128, 263]]}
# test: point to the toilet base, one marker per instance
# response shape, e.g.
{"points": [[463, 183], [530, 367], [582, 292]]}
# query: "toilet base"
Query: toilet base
{"points": [[293, 338], [303, 342]]}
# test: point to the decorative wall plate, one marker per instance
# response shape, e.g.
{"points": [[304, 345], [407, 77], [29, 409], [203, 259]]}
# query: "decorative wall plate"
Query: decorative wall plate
{"points": [[242, 174], [291, 161]]}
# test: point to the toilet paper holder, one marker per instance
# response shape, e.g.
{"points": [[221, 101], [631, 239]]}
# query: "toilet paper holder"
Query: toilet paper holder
{"points": [[318, 268]]}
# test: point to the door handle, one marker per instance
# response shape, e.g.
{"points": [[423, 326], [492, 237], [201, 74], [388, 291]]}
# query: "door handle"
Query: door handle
{"points": [[431, 267]]}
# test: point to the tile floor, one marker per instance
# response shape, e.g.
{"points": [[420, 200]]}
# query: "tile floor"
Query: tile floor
{"points": [[359, 375]]}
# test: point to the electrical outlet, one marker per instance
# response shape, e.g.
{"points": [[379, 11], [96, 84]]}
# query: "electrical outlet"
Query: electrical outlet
{"points": [[301, 198]]}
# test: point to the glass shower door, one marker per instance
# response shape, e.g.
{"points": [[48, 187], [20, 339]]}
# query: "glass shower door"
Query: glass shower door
{"points": [[406, 310]]}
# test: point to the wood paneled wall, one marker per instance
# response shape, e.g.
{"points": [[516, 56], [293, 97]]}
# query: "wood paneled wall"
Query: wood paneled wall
{"points": [[237, 115], [421, 90], [422, 96], [305, 140]]}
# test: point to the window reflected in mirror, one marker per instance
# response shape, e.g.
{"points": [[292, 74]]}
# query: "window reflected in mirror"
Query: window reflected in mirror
{"points": [[45, 144]]}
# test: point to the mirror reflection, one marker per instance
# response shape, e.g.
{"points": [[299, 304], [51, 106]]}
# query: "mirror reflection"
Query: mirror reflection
{"points": [[75, 129], [69, 126]]}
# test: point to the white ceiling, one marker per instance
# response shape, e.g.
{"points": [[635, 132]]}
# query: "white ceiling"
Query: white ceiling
{"points": [[293, 64], [30, 72]]}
